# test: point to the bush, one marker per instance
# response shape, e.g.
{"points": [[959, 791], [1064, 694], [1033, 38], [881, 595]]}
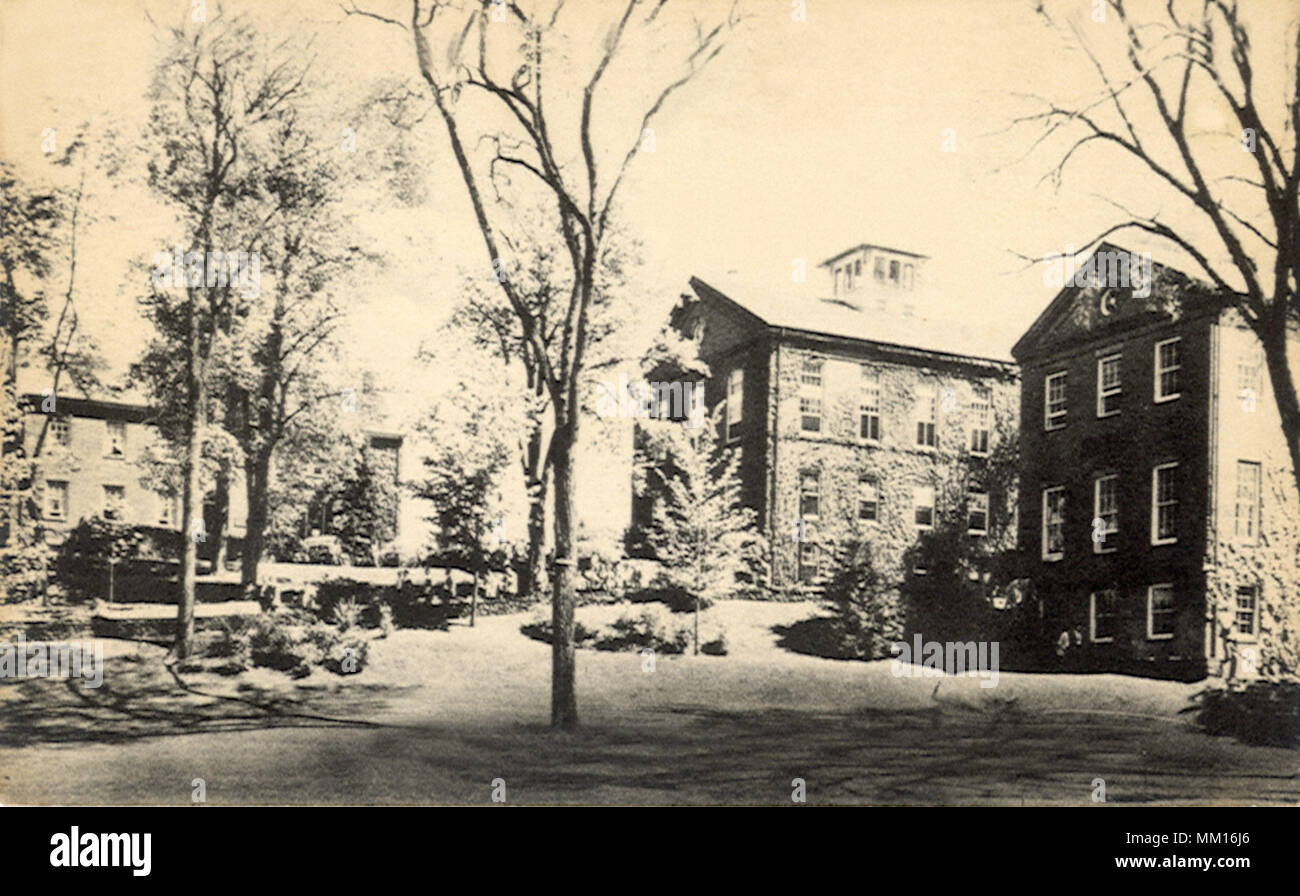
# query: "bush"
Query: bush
{"points": [[141, 556], [1264, 713], [653, 628], [867, 613], [291, 643]]}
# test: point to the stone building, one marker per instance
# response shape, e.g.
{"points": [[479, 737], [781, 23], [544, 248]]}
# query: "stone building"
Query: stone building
{"points": [[854, 411], [1158, 511]]}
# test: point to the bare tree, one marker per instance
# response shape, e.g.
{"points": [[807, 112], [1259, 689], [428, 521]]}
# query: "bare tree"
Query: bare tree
{"points": [[508, 53], [1243, 206]]}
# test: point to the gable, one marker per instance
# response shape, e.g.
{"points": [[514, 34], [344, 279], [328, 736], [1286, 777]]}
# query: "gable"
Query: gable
{"points": [[1112, 290]]}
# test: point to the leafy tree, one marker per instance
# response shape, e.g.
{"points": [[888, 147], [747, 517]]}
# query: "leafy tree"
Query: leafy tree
{"points": [[706, 537], [520, 63], [364, 508], [222, 97]]}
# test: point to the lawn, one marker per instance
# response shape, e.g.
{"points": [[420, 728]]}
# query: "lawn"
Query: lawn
{"points": [[436, 716]]}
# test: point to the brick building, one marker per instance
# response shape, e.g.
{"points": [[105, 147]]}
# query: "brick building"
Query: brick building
{"points": [[92, 459], [852, 411], [1158, 512]]}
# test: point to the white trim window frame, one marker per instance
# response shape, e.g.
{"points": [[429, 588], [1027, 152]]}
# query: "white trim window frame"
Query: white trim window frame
{"points": [[1109, 385], [1251, 609], [115, 439], [735, 402], [977, 504], [1053, 523], [868, 500], [1169, 611], [56, 509], [927, 420], [923, 504], [1246, 507], [1164, 504], [981, 423], [1105, 507], [1111, 595], [869, 406], [1170, 367], [1055, 409]]}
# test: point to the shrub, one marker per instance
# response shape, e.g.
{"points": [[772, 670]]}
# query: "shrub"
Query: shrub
{"points": [[867, 613], [290, 643], [1264, 713]]}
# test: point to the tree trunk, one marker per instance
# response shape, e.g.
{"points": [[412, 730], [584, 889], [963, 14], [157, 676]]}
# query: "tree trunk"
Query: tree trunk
{"points": [[256, 476], [1284, 392], [191, 498], [220, 528], [564, 701], [532, 578]]}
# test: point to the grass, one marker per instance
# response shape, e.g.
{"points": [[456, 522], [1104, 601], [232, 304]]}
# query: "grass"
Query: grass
{"points": [[435, 716]]}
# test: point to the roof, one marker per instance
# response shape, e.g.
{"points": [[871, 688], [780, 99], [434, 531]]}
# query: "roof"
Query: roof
{"points": [[1170, 287], [858, 317], [860, 246]]}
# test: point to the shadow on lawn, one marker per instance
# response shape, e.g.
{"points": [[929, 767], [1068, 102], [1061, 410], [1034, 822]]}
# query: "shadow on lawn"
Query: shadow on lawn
{"points": [[142, 698], [940, 756]]}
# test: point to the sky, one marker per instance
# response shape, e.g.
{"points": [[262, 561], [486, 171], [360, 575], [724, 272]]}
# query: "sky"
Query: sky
{"points": [[875, 121]]}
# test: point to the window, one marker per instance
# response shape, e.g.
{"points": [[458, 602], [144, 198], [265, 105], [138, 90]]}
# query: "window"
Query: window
{"points": [[923, 504], [925, 417], [1160, 612], [810, 414], [1054, 401], [977, 513], [61, 431], [810, 374], [1164, 504], [735, 401], [982, 412], [1248, 371], [1247, 610], [115, 445], [1108, 387], [810, 561], [1246, 515], [1168, 367], [1105, 513], [869, 410], [894, 270], [880, 269], [56, 500], [908, 278], [1103, 616], [868, 500], [810, 495], [810, 400], [1053, 523], [166, 515], [114, 499], [857, 268]]}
